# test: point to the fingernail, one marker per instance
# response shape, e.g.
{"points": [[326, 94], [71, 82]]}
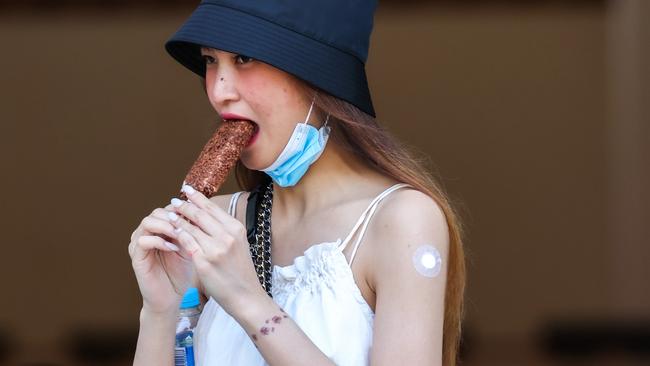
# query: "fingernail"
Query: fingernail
{"points": [[188, 189], [172, 246], [172, 216], [176, 202]]}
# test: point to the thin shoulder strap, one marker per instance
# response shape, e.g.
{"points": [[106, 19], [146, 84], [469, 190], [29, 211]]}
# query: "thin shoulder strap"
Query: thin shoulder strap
{"points": [[365, 218], [233, 203]]}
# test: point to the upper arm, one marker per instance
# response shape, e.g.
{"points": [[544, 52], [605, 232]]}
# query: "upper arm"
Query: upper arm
{"points": [[409, 310]]}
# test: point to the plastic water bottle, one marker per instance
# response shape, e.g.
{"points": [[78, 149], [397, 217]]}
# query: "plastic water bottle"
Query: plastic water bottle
{"points": [[187, 319]]}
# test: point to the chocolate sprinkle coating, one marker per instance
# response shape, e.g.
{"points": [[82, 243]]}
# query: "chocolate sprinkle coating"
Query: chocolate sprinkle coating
{"points": [[218, 157]]}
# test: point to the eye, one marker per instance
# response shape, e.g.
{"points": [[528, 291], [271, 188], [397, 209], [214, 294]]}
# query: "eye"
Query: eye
{"points": [[241, 59], [207, 59]]}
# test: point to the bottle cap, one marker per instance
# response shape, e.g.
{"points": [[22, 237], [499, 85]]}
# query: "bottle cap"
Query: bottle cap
{"points": [[191, 298]]}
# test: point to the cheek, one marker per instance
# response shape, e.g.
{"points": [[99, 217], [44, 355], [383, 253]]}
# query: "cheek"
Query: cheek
{"points": [[261, 96], [210, 76], [278, 105], [270, 94], [209, 81]]}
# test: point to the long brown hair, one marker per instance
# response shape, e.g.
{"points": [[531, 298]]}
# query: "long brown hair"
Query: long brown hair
{"points": [[361, 134]]}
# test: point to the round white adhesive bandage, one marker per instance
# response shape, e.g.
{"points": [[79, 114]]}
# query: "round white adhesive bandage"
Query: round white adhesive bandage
{"points": [[427, 261]]}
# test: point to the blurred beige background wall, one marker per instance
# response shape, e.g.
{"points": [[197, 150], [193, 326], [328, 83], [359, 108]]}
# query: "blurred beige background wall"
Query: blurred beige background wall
{"points": [[513, 105]]}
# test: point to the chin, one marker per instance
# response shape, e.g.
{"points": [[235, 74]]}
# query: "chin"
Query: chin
{"points": [[252, 164]]}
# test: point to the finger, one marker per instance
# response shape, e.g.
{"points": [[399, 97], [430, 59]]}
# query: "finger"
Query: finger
{"points": [[195, 238], [158, 224], [197, 216], [159, 212], [200, 200], [140, 230], [163, 213], [189, 236], [140, 248]]}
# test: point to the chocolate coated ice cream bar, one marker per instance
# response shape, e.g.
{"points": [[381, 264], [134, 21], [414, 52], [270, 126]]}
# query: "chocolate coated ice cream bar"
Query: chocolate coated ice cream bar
{"points": [[218, 157]]}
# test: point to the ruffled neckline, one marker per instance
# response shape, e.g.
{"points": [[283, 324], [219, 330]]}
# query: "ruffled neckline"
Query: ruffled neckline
{"points": [[306, 261], [320, 265]]}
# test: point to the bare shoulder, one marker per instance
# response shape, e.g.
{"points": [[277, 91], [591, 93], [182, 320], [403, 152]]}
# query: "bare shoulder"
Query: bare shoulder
{"points": [[407, 209], [222, 200], [406, 220]]}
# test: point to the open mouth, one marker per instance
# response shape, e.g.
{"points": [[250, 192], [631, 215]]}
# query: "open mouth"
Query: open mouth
{"points": [[254, 136], [256, 128], [253, 122]]}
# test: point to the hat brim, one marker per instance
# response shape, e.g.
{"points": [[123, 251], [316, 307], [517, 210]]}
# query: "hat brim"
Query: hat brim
{"points": [[328, 68]]}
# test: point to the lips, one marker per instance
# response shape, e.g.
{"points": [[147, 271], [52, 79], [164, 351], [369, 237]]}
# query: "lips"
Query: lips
{"points": [[232, 116], [253, 137], [236, 117]]}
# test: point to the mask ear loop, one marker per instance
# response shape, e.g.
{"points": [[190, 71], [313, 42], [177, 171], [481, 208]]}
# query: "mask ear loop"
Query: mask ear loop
{"points": [[310, 109], [326, 119]]}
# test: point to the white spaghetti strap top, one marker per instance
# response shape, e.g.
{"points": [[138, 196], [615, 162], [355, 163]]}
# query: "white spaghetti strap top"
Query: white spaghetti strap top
{"points": [[317, 291], [232, 208], [366, 219]]}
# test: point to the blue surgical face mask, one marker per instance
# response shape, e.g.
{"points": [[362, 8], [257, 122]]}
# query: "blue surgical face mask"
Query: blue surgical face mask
{"points": [[304, 147]]}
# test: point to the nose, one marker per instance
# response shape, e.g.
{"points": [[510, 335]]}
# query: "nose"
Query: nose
{"points": [[222, 87]]}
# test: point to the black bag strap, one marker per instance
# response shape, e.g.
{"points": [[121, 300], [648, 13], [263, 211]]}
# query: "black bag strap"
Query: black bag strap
{"points": [[252, 206]]}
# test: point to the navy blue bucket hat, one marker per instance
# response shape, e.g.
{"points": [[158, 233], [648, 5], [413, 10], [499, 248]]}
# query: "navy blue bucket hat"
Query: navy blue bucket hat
{"points": [[323, 42]]}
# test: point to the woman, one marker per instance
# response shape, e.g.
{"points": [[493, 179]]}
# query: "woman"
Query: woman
{"points": [[345, 289]]}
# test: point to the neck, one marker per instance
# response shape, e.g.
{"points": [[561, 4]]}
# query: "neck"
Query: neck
{"points": [[326, 181]]}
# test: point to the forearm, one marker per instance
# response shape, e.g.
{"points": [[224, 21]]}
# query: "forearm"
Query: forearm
{"points": [[278, 337], [155, 340]]}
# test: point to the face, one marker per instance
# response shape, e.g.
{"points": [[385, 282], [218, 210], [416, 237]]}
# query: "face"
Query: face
{"points": [[272, 98]]}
